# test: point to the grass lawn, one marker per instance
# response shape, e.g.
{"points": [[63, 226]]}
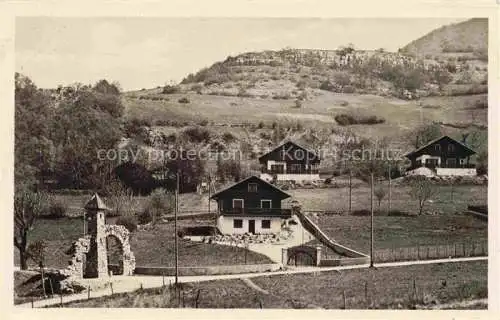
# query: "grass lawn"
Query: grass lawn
{"points": [[385, 288], [443, 201], [187, 202], [153, 247], [397, 232]]}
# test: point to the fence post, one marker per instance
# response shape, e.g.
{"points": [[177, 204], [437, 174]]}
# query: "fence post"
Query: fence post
{"points": [[32, 302], [197, 297], [428, 249], [88, 293], [111, 286], [415, 295], [60, 295], [473, 249], [343, 295], [463, 248], [51, 287], [455, 250], [366, 294]]}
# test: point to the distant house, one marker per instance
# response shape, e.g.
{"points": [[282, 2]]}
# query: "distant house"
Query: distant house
{"points": [[251, 206], [289, 161], [442, 157]]}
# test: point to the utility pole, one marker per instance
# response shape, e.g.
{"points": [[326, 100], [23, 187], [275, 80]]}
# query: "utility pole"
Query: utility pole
{"points": [[175, 228], [350, 190], [390, 186], [208, 184], [371, 221]]}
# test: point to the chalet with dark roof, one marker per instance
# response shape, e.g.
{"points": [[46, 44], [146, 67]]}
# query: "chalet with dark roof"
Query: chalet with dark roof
{"points": [[251, 205], [442, 157], [290, 161]]}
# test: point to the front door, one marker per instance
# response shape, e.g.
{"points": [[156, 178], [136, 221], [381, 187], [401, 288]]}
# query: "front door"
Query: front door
{"points": [[251, 226]]}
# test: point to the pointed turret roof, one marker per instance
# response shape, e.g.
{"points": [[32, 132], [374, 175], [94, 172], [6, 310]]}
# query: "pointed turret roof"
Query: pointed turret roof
{"points": [[96, 203]]}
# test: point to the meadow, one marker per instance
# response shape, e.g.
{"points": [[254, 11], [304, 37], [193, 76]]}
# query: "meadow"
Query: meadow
{"points": [[406, 287], [151, 247]]}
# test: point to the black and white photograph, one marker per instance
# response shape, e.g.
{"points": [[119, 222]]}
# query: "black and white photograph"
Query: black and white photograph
{"points": [[250, 162]]}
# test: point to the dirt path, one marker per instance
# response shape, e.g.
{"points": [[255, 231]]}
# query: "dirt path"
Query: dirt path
{"points": [[131, 283]]}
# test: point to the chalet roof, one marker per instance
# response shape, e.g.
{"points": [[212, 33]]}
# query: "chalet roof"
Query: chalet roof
{"points": [[285, 195], [96, 203], [285, 142], [439, 139]]}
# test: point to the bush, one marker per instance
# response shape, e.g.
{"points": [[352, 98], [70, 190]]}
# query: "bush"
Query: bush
{"points": [[170, 89], [361, 212], [128, 222], [398, 213], [144, 217], [298, 104], [183, 100], [56, 209], [346, 119], [348, 89], [197, 134]]}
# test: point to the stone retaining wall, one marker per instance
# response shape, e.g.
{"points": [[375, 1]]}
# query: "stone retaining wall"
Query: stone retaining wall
{"points": [[207, 270]]}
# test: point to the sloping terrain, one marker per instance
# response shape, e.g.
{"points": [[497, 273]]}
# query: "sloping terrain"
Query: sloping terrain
{"points": [[470, 36]]}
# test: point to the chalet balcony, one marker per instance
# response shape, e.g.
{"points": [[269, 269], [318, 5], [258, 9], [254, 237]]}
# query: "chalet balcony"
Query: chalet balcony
{"points": [[290, 171], [430, 166], [274, 212]]}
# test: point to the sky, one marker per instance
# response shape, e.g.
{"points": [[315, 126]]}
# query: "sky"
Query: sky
{"points": [[149, 52]]}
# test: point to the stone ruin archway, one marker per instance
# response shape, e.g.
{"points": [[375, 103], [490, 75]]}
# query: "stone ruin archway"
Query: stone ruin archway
{"points": [[79, 264], [89, 254]]}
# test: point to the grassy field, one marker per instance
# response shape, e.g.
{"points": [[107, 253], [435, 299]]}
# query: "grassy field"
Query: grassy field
{"points": [[443, 201], [399, 232], [319, 111], [153, 247], [363, 288]]}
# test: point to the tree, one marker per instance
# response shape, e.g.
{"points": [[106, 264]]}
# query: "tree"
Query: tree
{"points": [[33, 150], [482, 162], [136, 177], [421, 190], [229, 169], [160, 202], [120, 199], [28, 205], [36, 252], [380, 194], [425, 133]]}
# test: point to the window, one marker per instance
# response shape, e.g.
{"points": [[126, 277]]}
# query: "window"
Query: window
{"points": [[266, 224], [451, 162], [238, 205], [451, 148], [252, 187], [266, 204], [237, 223], [437, 147], [295, 168], [463, 161]]}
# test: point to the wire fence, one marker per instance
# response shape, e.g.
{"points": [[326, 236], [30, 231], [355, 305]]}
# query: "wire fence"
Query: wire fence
{"points": [[429, 252]]}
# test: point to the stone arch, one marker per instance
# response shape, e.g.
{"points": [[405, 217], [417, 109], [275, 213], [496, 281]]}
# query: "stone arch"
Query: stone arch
{"points": [[123, 236], [80, 248]]}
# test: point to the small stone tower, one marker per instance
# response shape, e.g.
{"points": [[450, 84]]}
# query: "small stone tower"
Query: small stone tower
{"points": [[96, 260]]}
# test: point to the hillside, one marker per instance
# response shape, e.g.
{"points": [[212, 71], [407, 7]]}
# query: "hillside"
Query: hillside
{"points": [[303, 93], [470, 37]]}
